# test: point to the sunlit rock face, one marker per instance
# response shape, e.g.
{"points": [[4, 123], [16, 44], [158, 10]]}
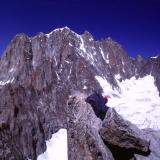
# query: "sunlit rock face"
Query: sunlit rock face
{"points": [[38, 75]]}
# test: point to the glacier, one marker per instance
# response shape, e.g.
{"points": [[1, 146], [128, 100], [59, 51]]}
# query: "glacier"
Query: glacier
{"points": [[137, 100]]}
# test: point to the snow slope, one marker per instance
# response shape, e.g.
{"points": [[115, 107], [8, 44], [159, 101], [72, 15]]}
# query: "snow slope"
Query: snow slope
{"points": [[56, 147], [137, 101]]}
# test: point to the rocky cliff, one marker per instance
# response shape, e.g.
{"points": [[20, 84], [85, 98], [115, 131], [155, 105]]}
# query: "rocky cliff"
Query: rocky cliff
{"points": [[38, 75]]}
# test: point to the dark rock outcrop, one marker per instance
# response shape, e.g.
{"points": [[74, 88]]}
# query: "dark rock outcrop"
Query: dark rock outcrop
{"points": [[83, 137], [123, 136], [27, 125], [154, 137], [8, 146], [119, 132]]}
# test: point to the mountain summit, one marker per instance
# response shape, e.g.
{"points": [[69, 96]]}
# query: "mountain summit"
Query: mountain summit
{"points": [[39, 74]]}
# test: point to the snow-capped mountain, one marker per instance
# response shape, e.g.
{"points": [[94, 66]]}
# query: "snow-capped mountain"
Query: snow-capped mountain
{"points": [[39, 74]]}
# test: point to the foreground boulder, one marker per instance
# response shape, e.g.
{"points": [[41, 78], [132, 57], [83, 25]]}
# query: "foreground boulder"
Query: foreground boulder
{"points": [[154, 137], [123, 136]]}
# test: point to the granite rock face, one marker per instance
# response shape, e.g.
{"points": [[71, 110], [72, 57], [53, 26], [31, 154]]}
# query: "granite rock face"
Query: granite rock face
{"points": [[38, 75], [154, 137], [83, 137], [30, 117], [120, 134]]}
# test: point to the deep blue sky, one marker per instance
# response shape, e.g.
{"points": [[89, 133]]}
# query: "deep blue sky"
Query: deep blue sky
{"points": [[133, 23]]}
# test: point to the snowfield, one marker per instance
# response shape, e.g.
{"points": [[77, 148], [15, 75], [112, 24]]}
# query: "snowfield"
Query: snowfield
{"points": [[137, 100], [56, 147]]}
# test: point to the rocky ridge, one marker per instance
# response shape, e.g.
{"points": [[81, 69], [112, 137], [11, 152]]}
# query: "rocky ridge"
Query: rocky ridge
{"points": [[37, 77]]}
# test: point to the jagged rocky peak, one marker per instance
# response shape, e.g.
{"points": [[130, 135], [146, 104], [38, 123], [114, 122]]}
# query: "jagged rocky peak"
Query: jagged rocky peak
{"points": [[139, 58], [43, 60], [63, 30], [88, 36], [109, 39], [63, 47], [39, 74]]}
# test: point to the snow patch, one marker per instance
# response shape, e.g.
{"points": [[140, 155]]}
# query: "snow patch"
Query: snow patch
{"points": [[84, 87], [102, 53], [123, 66], [107, 88], [56, 147], [90, 39], [70, 44], [55, 30], [107, 60], [138, 102], [58, 77], [12, 70], [70, 72], [49, 34], [82, 44], [2, 83], [154, 57], [88, 55], [67, 61], [59, 29], [94, 53], [117, 76], [55, 60]]}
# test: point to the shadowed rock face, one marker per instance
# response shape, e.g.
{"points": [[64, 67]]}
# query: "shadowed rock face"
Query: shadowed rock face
{"points": [[37, 76], [9, 147], [122, 136], [119, 132], [29, 117]]}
